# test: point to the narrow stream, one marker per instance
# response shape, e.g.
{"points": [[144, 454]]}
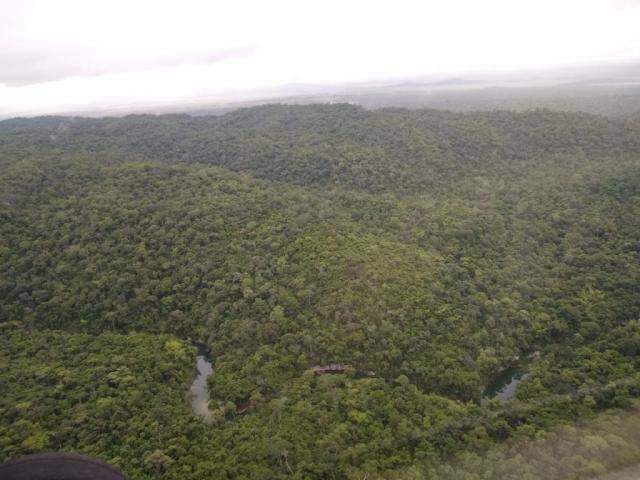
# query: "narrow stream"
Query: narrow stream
{"points": [[506, 385], [199, 391]]}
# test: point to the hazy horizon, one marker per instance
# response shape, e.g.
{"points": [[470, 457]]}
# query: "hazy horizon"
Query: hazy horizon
{"points": [[82, 56]]}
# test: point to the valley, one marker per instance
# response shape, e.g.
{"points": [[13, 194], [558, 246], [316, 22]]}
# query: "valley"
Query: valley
{"points": [[428, 247]]}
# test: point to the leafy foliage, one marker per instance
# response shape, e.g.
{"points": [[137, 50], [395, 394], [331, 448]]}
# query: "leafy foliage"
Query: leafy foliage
{"points": [[428, 249], [110, 396]]}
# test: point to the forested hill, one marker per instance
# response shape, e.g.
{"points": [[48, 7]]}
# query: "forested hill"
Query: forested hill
{"points": [[385, 150], [429, 250]]}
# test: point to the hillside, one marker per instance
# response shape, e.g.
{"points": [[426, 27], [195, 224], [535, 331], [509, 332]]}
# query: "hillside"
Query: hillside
{"points": [[386, 150], [426, 248]]}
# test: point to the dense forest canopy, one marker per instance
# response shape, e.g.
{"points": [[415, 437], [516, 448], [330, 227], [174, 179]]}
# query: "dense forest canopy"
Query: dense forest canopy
{"points": [[428, 249], [377, 151], [604, 96]]}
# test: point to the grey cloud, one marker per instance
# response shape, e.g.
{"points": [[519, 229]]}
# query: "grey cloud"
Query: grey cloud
{"points": [[26, 68]]}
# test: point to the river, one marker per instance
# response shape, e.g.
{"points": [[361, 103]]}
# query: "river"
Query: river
{"points": [[199, 391], [505, 386]]}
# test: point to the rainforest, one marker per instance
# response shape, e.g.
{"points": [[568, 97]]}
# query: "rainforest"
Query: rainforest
{"points": [[360, 281]]}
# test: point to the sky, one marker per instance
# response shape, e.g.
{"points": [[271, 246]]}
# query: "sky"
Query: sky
{"points": [[71, 55]]}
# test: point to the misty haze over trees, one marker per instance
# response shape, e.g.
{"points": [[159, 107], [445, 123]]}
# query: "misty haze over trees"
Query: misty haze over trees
{"points": [[611, 89]]}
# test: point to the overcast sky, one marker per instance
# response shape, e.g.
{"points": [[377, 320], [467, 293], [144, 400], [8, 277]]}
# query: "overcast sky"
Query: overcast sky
{"points": [[61, 55]]}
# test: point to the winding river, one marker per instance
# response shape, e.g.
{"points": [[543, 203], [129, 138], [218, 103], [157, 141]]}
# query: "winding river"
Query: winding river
{"points": [[199, 391], [506, 385]]}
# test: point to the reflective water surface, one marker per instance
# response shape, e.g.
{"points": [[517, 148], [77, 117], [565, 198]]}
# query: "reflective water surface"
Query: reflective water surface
{"points": [[506, 385], [199, 391]]}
